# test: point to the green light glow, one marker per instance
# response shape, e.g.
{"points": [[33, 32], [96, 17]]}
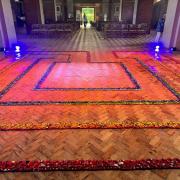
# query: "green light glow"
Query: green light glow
{"points": [[89, 13]]}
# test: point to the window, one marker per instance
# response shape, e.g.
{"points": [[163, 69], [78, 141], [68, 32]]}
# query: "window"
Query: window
{"points": [[117, 9]]}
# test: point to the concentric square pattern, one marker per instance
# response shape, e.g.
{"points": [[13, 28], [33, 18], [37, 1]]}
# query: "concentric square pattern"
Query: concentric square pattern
{"points": [[52, 81]]}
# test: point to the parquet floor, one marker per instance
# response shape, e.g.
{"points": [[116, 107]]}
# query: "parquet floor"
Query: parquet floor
{"points": [[92, 143]]}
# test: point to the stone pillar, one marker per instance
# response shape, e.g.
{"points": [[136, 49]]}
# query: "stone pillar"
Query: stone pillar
{"points": [[1, 41], [110, 10], [120, 11], [135, 11], [172, 24], [105, 9], [41, 11], [65, 10], [177, 42], [144, 11], [55, 13], [70, 8], [7, 29]]}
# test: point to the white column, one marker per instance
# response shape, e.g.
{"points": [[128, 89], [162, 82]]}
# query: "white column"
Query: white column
{"points": [[177, 31], [8, 33], [171, 28], [70, 8], [135, 11], [105, 9], [178, 38], [3, 35], [120, 10], [1, 39], [41, 11], [55, 10]]}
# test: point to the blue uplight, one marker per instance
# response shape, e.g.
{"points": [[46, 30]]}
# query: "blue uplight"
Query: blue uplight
{"points": [[17, 49], [157, 47]]}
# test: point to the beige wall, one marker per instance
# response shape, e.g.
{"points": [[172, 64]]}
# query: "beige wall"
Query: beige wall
{"points": [[171, 23], [2, 38], [70, 7], [178, 38], [41, 11], [7, 24], [176, 32]]}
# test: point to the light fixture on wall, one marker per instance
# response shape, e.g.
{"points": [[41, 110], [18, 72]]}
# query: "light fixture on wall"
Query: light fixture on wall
{"points": [[156, 1]]}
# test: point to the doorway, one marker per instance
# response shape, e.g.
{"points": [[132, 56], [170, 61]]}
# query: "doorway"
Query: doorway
{"points": [[90, 14]]}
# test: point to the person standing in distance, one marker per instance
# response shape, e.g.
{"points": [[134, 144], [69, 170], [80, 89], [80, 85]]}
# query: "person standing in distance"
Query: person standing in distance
{"points": [[160, 28], [85, 20]]}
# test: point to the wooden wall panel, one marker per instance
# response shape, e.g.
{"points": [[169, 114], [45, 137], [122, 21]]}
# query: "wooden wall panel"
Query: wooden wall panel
{"points": [[127, 10], [32, 13], [144, 13], [49, 11]]}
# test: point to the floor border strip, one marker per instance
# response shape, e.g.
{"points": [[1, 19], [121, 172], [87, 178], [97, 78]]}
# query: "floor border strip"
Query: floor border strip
{"points": [[90, 125], [129, 102], [52, 65], [87, 165]]}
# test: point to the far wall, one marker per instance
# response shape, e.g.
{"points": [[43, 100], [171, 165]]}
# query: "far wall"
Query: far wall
{"points": [[144, 11], [32, 13], [127, 11], [49, 11], [144, 14]]}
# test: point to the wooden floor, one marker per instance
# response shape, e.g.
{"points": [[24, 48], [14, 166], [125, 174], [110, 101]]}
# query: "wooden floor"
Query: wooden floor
{"points": [[89, 40], [98, 144]]}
